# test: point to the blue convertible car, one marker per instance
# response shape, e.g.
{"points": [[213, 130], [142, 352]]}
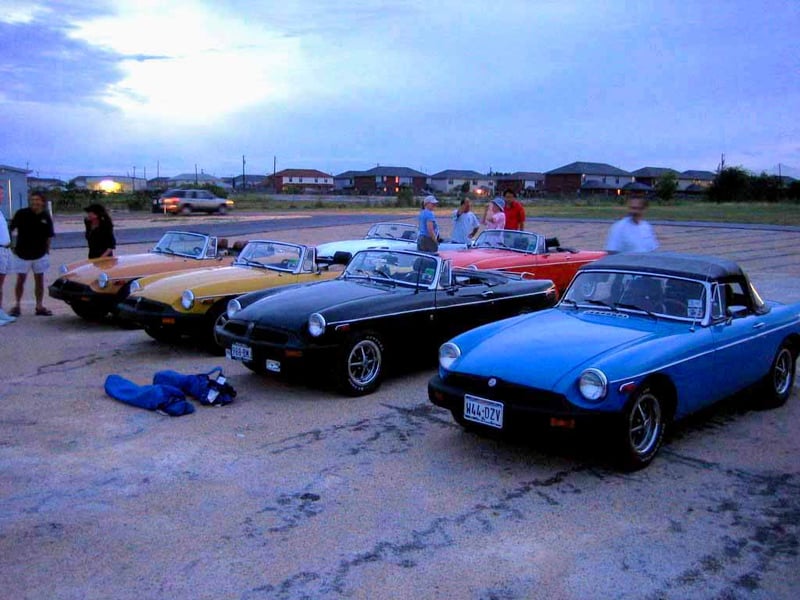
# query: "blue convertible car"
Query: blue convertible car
{"points": [[637, 341]]}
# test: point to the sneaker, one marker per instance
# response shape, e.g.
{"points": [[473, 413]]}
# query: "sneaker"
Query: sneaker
{"points": [[6, 318]]}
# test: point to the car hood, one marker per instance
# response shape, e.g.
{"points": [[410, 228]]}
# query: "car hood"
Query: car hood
{"points": [[290, 308], [136, 265], [212, 282], [542, 349], [353, 246]]}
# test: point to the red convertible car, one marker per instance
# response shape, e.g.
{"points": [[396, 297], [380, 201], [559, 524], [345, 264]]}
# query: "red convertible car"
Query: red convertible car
{"points": [[527, 253]]}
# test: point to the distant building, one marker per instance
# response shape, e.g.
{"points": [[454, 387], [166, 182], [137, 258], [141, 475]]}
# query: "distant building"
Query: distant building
{"points": [[520, 182], [307, 181], [45, 183], [247, 182], [695, 181], [195, 179], [14, 183], [345, 181], [453, 180], [586, 176], [158, 183], [389, 180], [650, 175], [112, 184]]}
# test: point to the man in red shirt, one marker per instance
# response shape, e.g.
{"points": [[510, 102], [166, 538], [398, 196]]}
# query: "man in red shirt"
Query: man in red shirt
{"points": [[515, 212]]}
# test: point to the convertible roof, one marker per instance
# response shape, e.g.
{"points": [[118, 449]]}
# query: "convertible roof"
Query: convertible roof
{"points": [[670, 263]]}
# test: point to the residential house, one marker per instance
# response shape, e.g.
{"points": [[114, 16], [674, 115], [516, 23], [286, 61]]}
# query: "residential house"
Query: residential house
{"points": [[695, 181], [112, 184], [521, 182], [453, 180], [14, 183], [649, 176], [389, 180], [307, 181], [248, 182], [586, 176], [158, 183], [344, 182]]}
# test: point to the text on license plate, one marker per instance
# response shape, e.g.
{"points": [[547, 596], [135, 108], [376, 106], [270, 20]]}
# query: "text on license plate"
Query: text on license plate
{"points": [[483, 411], [240, 352]]}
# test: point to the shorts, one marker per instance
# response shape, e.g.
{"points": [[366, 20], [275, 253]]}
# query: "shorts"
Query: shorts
{"points": [[427, 244], [6, 261], [38, 266]]}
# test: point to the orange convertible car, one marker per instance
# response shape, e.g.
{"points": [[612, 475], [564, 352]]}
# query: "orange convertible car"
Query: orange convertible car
{"points": [[530, 254]]}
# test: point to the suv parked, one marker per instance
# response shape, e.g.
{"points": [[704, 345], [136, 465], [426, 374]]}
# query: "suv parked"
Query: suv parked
{"points": [[186, 201]]}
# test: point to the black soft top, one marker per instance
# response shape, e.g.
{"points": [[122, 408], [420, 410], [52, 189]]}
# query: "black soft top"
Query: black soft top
{"points": [[693, 266]]}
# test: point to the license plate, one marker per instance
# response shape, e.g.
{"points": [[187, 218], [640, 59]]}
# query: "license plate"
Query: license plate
{"points": [[483, 411], [240, 352], [272, 365]]}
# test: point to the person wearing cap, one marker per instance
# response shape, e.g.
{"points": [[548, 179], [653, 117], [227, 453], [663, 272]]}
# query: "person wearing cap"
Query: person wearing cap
{"points": [[494, 217], [99, 231], [514, 211], [428, 236], [5, 261]]}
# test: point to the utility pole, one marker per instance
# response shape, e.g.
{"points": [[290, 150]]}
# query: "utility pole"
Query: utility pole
{"points": [[133, 182], [244, 184], [195, 173], [274, 166], [158, 169]]}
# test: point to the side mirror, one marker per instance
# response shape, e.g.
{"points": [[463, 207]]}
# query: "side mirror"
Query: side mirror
{"points": [[737, 311], [340, 257]]}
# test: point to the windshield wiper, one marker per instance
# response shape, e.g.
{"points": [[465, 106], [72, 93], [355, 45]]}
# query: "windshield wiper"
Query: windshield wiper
{"points": [[601, 303], [383, 273], [164, 250], [249, 262], [635, 307], [569, 301]]}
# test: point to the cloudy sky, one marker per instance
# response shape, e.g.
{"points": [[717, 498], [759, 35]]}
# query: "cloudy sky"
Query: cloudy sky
{"points": [[90, 87]]}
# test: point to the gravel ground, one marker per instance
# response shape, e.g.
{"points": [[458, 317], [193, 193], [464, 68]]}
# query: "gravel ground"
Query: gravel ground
{"points": [[295, 492]]}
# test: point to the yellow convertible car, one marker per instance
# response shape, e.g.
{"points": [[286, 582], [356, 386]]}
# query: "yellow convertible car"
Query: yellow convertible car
{"points": [[93, 288], [189, 304]]}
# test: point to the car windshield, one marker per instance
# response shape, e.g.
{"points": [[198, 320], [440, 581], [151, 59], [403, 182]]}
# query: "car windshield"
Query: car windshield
{"points": [[659, 295], [393, 231], [271, 255], [397, 268], [182, 244], [521, 241]]}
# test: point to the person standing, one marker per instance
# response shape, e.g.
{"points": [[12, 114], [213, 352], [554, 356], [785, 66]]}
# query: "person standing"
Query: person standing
{"points": [[5, 261], [494, 217], [34, 232], [465, 223], [514, 211], [99, 231], [632, 233], [428, 236]]}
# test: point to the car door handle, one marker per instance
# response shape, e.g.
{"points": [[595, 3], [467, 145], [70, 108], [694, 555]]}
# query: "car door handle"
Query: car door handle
{"points": [[487, 293], [759, 325]]}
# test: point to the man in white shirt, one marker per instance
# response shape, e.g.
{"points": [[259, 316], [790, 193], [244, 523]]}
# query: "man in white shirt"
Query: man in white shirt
{"points": [[465, 223], [5, 260], [633, 233]]}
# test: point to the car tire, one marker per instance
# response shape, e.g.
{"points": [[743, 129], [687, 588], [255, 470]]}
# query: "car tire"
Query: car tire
{"points": [[359, 368], [88, 313], [162, 334], [222, 210], [186, 209], [642, 429], [208, 339], [779, 382]]}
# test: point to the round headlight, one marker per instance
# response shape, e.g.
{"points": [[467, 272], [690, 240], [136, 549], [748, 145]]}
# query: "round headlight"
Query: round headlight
{"points": [[316, 324], [593, 384], [102, 280], [135, 286], [233, 308], [448, 353], [63, 269], [187, 299]]}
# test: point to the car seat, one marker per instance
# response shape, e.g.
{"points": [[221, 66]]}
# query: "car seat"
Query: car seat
{"points": [[409, 235]]}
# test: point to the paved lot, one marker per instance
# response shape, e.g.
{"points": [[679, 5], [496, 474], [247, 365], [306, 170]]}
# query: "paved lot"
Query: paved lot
{"points": [[295, 492]]}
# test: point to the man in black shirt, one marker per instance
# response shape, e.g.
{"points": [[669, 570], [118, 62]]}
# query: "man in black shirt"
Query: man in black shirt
{"points": [[34, 231]]}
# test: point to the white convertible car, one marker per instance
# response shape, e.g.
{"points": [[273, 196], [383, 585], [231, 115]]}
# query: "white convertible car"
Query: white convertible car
{"points": [[388, 236]]}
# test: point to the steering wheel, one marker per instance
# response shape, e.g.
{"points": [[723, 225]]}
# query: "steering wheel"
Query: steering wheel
{"points": [[197, 250], [675, 307]]}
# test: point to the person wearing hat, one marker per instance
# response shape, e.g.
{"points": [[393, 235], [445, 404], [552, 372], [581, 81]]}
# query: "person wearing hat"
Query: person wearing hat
{"points": [[495, 217], [428, 236], [99, 231]]}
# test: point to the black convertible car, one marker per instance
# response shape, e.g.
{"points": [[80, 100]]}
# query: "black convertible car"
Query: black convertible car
{"points": [[388, 305]]}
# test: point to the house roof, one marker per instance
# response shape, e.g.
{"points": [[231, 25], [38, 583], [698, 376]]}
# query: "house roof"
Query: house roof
{"points": [[653, 171], [702, 175], [669, 263], [637, 186], [14, 169], [694, 188], [301, 173], [524, 175], [588, 168], [393, 172], [347, 174], [458, 174], [193, 176]]}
